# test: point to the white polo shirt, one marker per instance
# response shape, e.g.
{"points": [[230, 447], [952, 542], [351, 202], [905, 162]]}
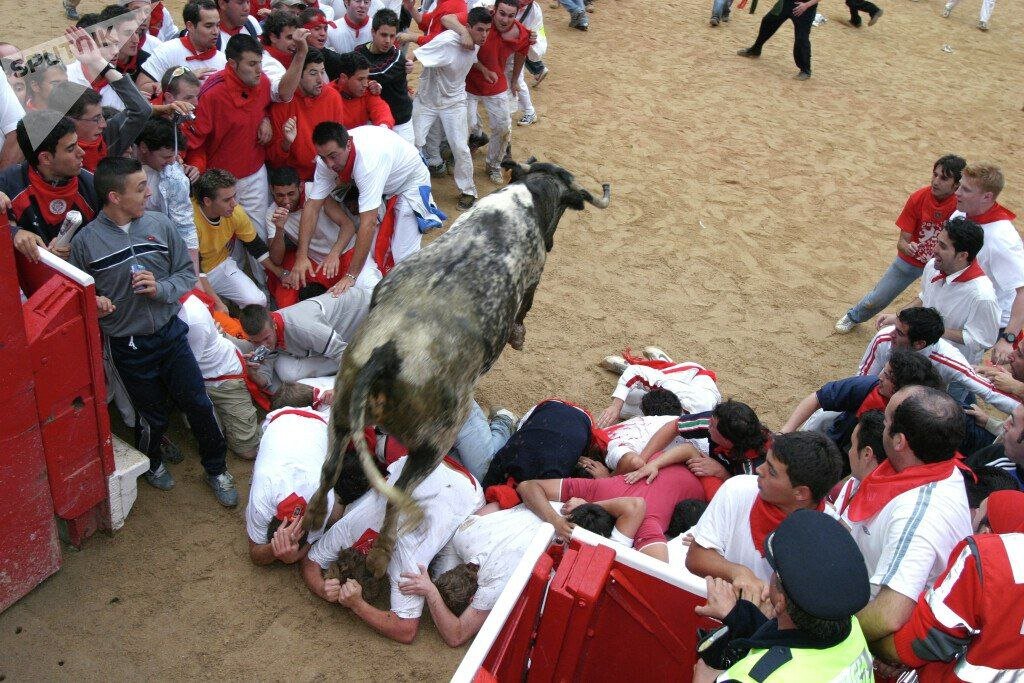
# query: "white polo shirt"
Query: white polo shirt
{"points": [[967, 301], [385, 165], [447, 497], [215, 355], [495, 543], [445, 66], [725, 525], [172, 53], [633, 434], [1002, 259], [291, 455], [905, 544], [345, 37]]}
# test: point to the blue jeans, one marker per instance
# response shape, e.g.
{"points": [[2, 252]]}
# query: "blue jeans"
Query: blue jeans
{"points": [[898, 277], [479, 440], [720, 8], [574, 7]]}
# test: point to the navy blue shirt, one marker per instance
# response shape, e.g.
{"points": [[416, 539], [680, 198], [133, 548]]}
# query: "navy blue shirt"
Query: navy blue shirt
{"points": [[547, 446], [845, 396]]}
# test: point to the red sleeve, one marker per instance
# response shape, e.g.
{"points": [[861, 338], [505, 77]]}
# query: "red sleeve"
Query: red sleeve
{"points": [[200, 129], [380, 112], [275, 155], [523, 44], [910, 218], [579, 488], [936, 629]]}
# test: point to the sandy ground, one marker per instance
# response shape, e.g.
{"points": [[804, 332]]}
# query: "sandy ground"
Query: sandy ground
{"points": [[749, 211]]}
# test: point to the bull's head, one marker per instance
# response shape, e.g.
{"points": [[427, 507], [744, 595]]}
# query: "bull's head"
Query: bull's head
{"points": [[554, 190]]}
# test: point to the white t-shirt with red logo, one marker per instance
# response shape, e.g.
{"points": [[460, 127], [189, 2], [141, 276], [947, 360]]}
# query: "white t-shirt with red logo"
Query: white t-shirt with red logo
{"points": [[291, 456]]}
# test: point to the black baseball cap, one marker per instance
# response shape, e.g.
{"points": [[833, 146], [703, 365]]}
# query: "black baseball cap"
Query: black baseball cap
{"points": [[819, 565]]}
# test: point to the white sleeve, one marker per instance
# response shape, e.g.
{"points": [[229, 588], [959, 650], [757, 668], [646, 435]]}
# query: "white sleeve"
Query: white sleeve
{"points": [[636, 374], [714, 528], [490, 582], [982, 327], [982, 387], [371, 183], [439, 51], [1006, 262], [11, 110], [911, 558], [876, 355], [156, 64], [257, 521], [168, 31], [411, 550], [340, 536], [324, 181]]}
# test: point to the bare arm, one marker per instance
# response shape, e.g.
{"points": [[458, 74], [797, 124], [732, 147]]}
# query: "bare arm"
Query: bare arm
{"points": [[385, 623], [905, 246], [1003, 349], [661, 438], [455, 630], [290, 80], [536, 493], [884, 615], [800, 414], [451, 22], [706, 562], [10, 153]]}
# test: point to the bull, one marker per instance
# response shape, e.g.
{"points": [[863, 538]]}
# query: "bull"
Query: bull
{"points": [[436, 324]]}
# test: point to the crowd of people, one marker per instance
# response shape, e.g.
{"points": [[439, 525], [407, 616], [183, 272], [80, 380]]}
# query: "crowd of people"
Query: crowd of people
{"points": [[244, 184]]}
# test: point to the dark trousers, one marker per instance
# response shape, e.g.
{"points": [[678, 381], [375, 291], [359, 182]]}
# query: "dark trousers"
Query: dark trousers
{"points": [[158, 367], [534, 67], [801, 32], [857, 6]]}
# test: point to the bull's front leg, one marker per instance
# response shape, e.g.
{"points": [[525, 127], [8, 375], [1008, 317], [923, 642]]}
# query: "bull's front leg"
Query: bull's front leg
{"points": [[517, 336]]}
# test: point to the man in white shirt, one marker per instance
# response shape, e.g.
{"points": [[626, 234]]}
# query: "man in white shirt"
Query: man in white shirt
{"points": [[1002, 255], [921, 329], [728, 541], [441, 96], [224, 377], [910, 511], [234, 19], [692, 383], [447, 497], [197, 50], [489, 546], [381, 165], [352, 25], [954, 284]]}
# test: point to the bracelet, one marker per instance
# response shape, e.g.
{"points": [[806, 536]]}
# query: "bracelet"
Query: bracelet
{"points": [[351, 276]]}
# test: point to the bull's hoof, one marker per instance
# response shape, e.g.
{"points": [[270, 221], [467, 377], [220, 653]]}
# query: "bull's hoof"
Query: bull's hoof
{"points": [[517, 337]]}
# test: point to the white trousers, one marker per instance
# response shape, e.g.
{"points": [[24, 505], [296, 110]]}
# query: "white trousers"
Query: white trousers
{"points": [[987, 7], [230, 281], [253, 193], [525, 101], [407, 237], [501, 125], [456, 129], [407, 131]]}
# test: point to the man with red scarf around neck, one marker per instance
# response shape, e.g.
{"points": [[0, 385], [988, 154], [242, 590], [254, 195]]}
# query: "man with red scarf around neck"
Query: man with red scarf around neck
{"points": [[235, 19], [227, 132], [279, 47], [728, 541], [910, 511], [196, 50], [352, 28], [1002, 255], [362, 107], [48, 185]]}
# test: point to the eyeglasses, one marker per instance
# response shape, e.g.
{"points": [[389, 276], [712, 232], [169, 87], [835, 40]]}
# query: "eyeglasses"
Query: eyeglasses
{"points": [[92, 119]]}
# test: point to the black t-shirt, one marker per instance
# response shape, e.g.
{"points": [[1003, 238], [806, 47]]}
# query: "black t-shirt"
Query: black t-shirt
{"points": [[547, 446], [332, 63], [388, 69]]}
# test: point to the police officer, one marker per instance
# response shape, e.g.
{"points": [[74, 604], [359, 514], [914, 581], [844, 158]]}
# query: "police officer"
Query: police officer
{"points": [[820, 583]]}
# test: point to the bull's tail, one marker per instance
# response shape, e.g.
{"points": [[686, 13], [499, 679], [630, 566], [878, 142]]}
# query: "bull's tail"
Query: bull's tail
{"points": [[372, 386], [338, 438]]}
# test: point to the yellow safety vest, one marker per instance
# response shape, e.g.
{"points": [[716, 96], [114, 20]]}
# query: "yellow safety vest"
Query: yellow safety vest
{"points": [[848, 662]]}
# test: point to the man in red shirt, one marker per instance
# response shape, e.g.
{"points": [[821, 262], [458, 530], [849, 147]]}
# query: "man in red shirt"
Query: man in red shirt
{"points": [[231, 127], [293, 122], [923, 216], [361, 107], [486, 81], [446, 14]]}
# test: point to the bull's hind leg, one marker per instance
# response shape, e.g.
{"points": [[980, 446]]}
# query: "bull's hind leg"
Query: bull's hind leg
{"points": [[338, 440], [418, 466], [517, 337]]}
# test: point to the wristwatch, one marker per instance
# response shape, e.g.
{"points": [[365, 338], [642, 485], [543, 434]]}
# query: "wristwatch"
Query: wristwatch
{"points": [[108, 67], [1009, 336]]}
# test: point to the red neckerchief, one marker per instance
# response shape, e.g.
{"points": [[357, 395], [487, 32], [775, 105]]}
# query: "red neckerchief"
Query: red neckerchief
{"points": [[995, 213], [130, 65], [885, 483], [242, 94], [346, 173], [356, 27], [318, 20], [194, 55], [301, 412], [873, 401], [156, 19], [280, 55], [966, 275], [364, 544], [229, 31], [95, 152], [749, 454], [766, 518], [55, 201], [279, 325], [97, 83], [460, 468]]}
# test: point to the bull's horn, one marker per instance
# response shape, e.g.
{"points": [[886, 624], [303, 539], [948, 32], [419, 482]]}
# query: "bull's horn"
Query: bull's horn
{"points": [[601, 203]]}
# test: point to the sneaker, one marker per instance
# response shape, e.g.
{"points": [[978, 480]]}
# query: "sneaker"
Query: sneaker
{"points": [[654, 353], [169, 452], [507, 417], [438, 170], [541, 76], [579, 21], [466, 201], [725, 16], [223, 486], [946, 11], [528, 119], [715, 21], [160, 478], [983, 25], [875, 17], [477, 140], [845, 324], [495, 176], [803, 76], [616, 364], [71, 12], [444, 150], [749, 52]]}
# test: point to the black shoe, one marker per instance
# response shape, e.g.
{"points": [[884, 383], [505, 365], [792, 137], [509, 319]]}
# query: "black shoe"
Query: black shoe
{"points": [[477, 140], [169, 452], [875, 17], [466, 201], [749, 52]]}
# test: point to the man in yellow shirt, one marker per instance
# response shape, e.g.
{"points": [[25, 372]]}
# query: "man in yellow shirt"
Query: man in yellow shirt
{"points": [[220, 219]]}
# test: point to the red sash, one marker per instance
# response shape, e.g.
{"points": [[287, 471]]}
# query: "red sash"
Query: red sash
{"points": [[663, 364], [156, 18], [284, 57]]}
